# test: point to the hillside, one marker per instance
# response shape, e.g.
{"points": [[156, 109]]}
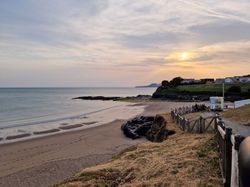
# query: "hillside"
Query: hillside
{"points": [[203, 90], [182, 160]]}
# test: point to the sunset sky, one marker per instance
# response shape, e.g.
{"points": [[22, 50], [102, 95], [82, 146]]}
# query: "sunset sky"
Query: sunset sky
{"points": [[121, 42]]}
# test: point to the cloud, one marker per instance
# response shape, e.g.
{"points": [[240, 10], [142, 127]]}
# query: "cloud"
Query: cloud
{"points": [[101, 35], [222, 31], [149, 40]]}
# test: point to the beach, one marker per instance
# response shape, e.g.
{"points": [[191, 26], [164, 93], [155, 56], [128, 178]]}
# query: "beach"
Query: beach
{"points": [[48, 160]]}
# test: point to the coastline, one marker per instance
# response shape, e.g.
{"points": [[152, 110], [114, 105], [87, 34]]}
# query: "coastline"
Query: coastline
{"points": [[121, 110], [48, 160]]}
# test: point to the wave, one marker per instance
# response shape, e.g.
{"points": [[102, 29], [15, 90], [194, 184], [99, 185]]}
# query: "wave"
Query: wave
{"points": [[79, 116]]}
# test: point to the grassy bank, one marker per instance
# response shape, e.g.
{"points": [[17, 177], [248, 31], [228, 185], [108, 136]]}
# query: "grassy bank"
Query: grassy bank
{"points": [[241, 114], [212, 87], [203, 89], [182, 160]]}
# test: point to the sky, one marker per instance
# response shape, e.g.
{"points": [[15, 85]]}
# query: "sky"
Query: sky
{"points": [[121, 42]]}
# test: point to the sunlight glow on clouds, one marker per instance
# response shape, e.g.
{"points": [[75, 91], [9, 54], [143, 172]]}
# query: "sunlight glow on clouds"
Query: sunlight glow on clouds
{"points": [[90, 42]]}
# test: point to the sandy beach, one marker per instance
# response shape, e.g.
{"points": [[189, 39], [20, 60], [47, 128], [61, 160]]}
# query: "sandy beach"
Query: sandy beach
{"points": [[49, 160]]}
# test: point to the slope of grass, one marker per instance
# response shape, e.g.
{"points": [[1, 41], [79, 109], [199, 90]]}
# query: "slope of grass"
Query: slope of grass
{"points": [[212, 87], [182, 160], [202, 90], [241, 114]]}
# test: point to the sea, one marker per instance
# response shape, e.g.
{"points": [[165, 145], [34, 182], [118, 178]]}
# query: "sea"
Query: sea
{"points": [[29, 110]]}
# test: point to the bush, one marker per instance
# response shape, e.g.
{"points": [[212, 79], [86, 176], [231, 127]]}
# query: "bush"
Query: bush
{"points": [[176, 81], [165, 83], [234, 89]]}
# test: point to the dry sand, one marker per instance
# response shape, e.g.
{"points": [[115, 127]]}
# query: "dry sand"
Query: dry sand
{"points": [[49, 160]]}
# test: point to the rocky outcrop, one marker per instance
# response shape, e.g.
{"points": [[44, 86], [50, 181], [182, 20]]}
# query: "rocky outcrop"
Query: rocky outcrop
{"points": [[103, 98], [137, 127], [153, 128], [158, 131]]}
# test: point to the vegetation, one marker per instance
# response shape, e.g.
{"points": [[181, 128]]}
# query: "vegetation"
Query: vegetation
{"points": [[234, 89], [208, 152], [175, 87], [241, 114], [176, 81], [184, 159], [210, 87]]}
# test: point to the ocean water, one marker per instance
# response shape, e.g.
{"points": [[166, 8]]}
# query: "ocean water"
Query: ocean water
{"points": [[24, 109]]}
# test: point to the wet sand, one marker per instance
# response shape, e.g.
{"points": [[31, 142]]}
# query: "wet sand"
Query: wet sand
{"points": [[49, 160]]}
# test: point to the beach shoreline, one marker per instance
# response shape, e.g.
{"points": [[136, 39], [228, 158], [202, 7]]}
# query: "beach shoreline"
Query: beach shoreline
{"points": [[48, 160], [121, 110]]}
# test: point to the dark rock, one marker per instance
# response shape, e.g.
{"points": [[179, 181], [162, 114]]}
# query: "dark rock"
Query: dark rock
{"points": [[137, 127], [154, 128], [158, 131], [102, 98]]}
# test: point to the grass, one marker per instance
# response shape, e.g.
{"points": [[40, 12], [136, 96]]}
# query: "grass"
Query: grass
{"points": [[241, 114], [182, 160], [104, 177], [212, 87], [122, 153], [205, 149], [209, 154], [203, 89]]}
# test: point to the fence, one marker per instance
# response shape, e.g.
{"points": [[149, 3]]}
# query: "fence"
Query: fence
{"points": [[203, 124], [228, 145]]}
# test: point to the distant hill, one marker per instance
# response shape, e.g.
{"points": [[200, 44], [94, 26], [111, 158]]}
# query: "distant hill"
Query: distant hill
{"points": [[152, 85]]}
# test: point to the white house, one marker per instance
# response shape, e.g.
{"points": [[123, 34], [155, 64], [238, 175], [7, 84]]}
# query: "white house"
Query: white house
{"points": [[220, 81], [244, 79], [197, 81], [229, 80], [187, 81]]}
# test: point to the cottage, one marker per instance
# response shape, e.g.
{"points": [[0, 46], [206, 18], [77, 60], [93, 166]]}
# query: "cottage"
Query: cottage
{"points": [[208, 80], [220, 81], [187, 81], [229, 80], [244, 79]]}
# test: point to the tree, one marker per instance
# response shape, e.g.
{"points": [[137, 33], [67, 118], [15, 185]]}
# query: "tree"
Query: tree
{"points": [[176, 81], [165, 83]]}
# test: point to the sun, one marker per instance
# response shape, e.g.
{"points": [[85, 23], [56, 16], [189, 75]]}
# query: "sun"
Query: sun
{"points": [[184, 56]]}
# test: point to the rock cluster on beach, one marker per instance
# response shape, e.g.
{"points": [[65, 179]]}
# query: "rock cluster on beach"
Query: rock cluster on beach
{"points": [[103, 98], [153, 128]]}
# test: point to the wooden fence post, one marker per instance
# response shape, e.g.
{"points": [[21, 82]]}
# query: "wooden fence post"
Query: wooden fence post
{"points": [[200, 125], [203, 125], [216, 121], [228, 156], [188, 126]]}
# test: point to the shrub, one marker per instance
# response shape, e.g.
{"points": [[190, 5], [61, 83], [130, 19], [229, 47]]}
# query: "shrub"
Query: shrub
{"points": [[165, 83], [176, 81], [234, 89]]}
